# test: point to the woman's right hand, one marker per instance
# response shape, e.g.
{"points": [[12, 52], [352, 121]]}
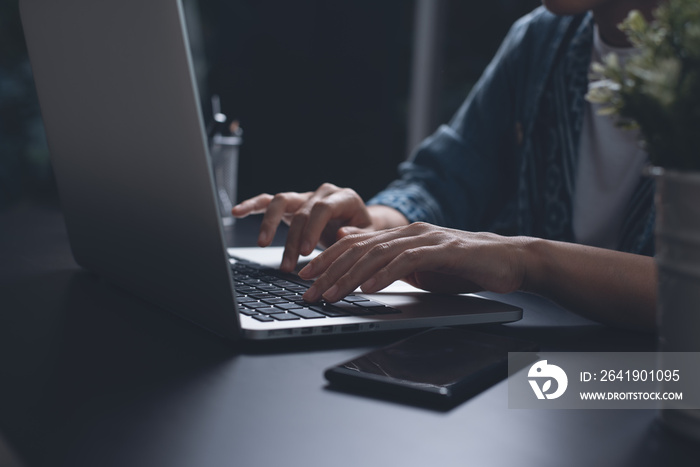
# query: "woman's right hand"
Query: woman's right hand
{"points": [[318, 217]]}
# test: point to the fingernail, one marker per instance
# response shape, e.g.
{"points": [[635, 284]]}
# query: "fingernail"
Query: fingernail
{"points": [[331, 293], [262, 238], [305, 248], [369, 285], [306, 271]]}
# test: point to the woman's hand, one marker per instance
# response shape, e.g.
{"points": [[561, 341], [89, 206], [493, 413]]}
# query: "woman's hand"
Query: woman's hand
{"points": [[432, 258], [604, 285], [317, 217]]}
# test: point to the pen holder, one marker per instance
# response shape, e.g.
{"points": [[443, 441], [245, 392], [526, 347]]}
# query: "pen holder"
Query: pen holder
{"points": [[224, 155]]}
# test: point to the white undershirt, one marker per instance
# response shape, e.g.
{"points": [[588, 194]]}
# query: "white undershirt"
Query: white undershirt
{"points": [[609, 166]]}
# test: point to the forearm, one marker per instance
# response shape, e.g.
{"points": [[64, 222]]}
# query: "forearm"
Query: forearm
{"points": [[607, 286]]}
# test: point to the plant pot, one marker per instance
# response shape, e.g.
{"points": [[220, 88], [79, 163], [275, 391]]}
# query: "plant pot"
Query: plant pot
{"points": [[678, 262]]}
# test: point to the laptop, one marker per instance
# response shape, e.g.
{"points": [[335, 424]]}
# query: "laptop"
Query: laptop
{"points": [[129, 149]]}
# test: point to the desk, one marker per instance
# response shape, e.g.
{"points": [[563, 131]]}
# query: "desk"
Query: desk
{"points": [[92, 376]]}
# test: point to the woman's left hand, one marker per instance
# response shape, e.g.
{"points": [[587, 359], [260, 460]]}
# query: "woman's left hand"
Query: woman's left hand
{"points": [[432, 258]]}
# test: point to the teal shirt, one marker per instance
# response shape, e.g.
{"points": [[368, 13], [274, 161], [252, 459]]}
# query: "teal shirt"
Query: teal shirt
{"points": [[506, 162]]}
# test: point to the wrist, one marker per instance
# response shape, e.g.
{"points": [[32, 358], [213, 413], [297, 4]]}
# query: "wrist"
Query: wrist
{"points": [[532, 255], [385, 217]]}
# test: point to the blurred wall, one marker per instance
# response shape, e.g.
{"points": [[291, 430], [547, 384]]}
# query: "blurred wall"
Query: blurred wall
{"points": [[320, 88]]}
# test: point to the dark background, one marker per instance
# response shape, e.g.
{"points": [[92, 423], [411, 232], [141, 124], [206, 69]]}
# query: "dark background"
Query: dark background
{"points": [[320, 87]]}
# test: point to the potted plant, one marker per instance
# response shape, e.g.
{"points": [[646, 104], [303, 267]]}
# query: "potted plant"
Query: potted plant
{"points": [[658, 92]]}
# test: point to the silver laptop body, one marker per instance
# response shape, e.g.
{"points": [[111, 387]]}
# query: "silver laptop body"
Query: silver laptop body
{"points": [[121, 110]]}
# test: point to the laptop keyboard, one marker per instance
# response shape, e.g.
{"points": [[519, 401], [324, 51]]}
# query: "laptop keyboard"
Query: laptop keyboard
{"points": [[270, 295]]}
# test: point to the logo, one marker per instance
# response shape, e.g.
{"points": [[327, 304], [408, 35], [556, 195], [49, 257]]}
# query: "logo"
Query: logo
{"points": [[542, 370]]}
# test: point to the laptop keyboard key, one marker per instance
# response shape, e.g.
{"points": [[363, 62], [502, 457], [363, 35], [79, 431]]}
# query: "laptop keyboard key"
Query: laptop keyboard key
{"points": [[274, 300], [352, 309], [307, 313], [329, 310], [269, 311], [261, 295], [284, 316], [248, 311], [288, 306], [354, 298], [368, 304]]}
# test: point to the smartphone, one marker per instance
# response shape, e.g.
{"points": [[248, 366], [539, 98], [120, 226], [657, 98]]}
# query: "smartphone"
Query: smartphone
{"points": [[441, 367]]}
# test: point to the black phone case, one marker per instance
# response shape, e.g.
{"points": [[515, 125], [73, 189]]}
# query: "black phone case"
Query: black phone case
{"points": [[440, 367]]}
